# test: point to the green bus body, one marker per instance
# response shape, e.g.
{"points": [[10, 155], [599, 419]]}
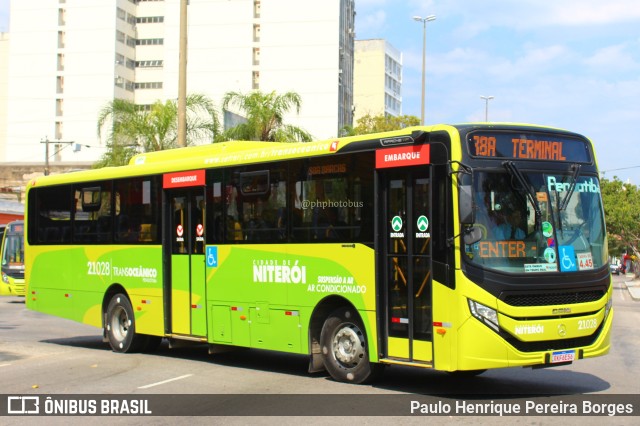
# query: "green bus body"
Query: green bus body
{"points": [[216, 257]]}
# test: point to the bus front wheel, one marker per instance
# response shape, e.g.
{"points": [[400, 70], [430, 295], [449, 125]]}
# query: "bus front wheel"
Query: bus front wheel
{"points": [[121, 329], [344, 348]]}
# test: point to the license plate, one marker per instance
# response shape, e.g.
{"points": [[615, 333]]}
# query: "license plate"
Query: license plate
{"points": [[563, 356]]}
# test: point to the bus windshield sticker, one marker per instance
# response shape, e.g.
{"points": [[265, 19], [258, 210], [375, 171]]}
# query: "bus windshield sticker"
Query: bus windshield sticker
{"points": [[567, 259], [550, 255], [585, 261], [540, 267]]}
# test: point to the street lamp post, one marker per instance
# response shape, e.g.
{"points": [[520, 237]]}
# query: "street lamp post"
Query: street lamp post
{"points": [[182, 77], [424, 55], [486, 106]]}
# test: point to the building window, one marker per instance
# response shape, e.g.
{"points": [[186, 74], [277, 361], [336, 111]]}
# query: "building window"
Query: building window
{"points": [[150, 19], [157, 63], [149, 41], [121, 14], [149, 85]]}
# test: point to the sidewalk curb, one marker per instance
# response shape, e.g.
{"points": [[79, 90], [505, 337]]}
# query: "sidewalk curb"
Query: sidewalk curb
{"points": [[634, 289]]}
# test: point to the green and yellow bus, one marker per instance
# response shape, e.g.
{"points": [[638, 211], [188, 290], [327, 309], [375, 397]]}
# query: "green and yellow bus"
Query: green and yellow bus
{"points": [[360, 251], [13, 260]]}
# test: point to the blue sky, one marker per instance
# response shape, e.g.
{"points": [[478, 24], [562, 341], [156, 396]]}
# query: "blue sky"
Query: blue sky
{"points": [[573, 64]]}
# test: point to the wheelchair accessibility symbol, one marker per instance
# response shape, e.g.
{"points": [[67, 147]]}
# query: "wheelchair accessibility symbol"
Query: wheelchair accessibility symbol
{"points": [[567, 259], [212, 256]]}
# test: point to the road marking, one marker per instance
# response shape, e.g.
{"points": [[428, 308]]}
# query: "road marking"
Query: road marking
{"points": [[4, 365], [165, 381]]}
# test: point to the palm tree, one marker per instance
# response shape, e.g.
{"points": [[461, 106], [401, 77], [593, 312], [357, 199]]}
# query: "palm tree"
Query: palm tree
{"points": [[264, 114], [131, 130]]}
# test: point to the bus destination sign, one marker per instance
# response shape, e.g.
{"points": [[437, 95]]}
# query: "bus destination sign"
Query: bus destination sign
{"points": [[534, 146]]}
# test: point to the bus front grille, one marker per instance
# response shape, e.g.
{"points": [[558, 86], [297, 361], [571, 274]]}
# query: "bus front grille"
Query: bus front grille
{"points": [[547, 299]]}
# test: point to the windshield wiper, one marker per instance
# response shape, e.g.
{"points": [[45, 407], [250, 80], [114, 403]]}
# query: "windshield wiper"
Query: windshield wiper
{"points": [[513, 170], [574, 179]]}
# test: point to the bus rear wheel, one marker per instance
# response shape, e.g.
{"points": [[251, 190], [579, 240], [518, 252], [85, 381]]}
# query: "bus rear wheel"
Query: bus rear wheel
{"points": [[121, 329], [344, 348]]}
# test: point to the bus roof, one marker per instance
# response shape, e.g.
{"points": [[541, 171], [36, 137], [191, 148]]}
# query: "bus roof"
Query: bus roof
{"points": [[250, 152]]}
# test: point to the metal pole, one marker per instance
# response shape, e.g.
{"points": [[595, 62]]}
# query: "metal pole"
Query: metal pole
{"points": [[46, 157], [182, 77], [424, 59], [46, 143], [486, 106]]}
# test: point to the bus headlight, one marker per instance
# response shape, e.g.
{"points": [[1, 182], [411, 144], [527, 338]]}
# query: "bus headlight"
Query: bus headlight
{"points": [[485, 314], [5, 278]]}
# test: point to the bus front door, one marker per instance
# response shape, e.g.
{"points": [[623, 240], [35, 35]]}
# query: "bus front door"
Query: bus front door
{"points": [[187, 285], [404, 263]]}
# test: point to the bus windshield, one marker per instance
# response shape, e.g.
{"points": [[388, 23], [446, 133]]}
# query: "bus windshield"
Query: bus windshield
{"points": [[13, 251], [537, 222]]}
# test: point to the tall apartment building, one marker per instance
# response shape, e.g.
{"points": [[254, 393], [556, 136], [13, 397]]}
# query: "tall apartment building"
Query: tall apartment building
{"points": [[377, 88], [4, 87], [69, 58]]}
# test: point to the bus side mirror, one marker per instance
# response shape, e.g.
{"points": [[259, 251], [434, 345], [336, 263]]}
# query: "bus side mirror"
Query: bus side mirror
{"points": [[466, 207], [472, 235]]}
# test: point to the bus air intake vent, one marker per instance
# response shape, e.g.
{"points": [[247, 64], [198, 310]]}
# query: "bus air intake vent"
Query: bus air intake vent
{"points": [[547, 299]]}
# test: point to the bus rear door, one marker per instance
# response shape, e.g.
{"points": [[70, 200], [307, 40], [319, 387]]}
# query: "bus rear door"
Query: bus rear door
{"points": [[185, 287]]}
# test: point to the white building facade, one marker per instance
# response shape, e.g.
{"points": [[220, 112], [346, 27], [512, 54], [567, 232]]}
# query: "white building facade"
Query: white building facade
{"points": [[67, 59], [377, 79], [4, 88]]}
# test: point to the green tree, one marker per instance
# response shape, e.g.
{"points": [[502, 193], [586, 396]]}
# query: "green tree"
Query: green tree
{"points": [[131, 130], [381, 123], [264, 113], [622, 212]]}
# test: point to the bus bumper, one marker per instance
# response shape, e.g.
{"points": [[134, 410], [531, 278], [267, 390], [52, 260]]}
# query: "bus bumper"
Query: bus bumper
{"points": [[482, 348]]}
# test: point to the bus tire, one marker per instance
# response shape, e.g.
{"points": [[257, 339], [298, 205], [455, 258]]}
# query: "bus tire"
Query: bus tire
{"points": [[121, 326], [344, 348]]}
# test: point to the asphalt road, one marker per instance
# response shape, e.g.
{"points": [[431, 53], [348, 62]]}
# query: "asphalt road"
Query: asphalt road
{"points": [[43, 355]]}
